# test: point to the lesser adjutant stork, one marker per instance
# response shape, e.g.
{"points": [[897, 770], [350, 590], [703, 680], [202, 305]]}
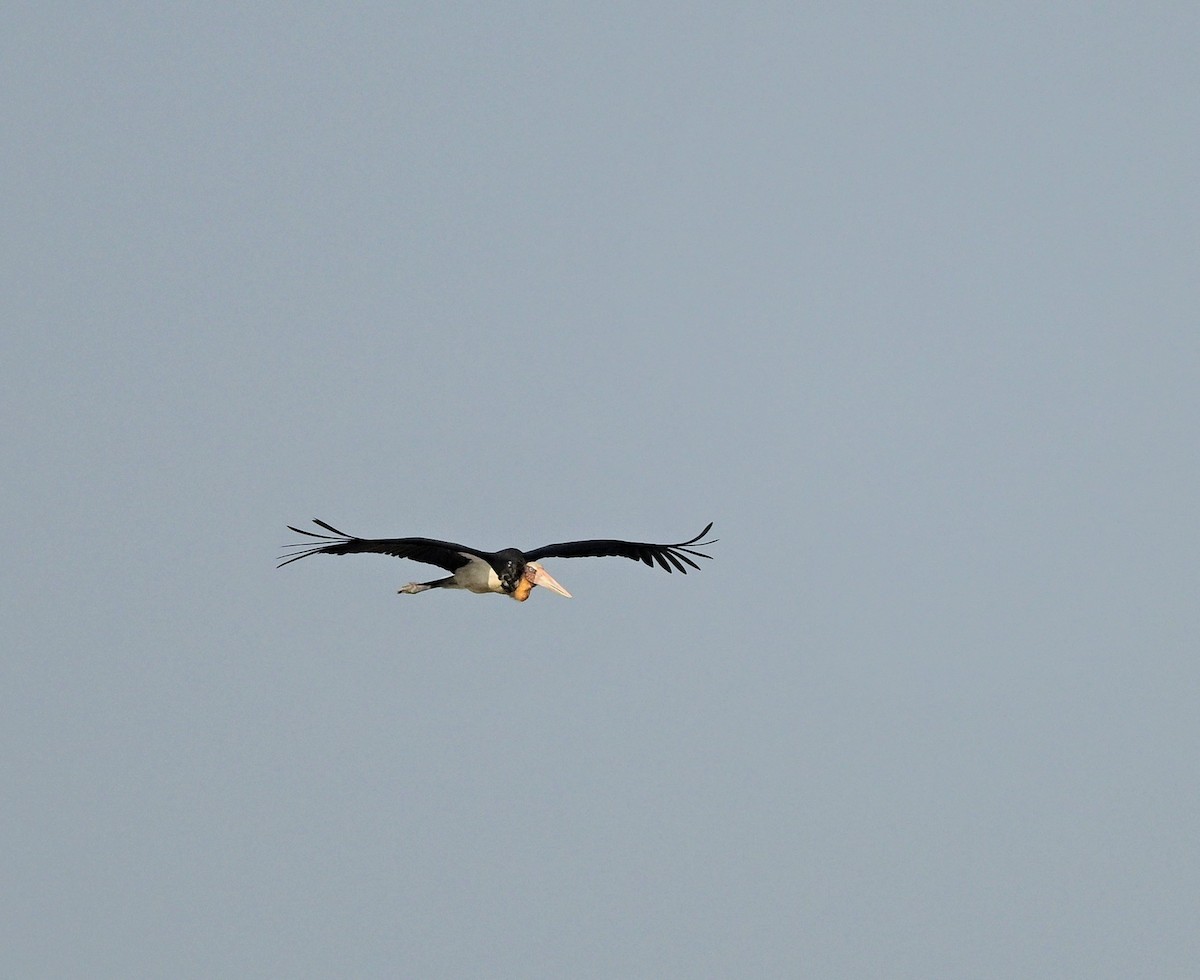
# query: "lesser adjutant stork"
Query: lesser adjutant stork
{"points": [[509, 572]]}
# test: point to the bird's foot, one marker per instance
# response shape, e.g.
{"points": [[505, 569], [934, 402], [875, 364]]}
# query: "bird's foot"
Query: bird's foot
{"points": [[412, 588]]}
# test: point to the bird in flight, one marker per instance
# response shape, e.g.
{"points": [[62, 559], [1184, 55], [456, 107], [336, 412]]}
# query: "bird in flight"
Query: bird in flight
{"points": [[509, 572]]}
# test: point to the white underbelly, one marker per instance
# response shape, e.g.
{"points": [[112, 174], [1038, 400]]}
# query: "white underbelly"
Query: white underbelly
{"points": [[477, 576]]}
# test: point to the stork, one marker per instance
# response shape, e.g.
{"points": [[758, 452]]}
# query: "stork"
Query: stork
{"points": [[509, 572]]}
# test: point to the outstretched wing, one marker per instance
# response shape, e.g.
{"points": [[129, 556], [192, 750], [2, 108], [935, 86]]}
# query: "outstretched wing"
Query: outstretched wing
{"points": [[665, 554], [444, 554]]}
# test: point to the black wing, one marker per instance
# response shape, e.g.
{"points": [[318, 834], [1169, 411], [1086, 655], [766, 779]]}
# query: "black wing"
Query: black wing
{"points": [[444, 554], [675, 554]]}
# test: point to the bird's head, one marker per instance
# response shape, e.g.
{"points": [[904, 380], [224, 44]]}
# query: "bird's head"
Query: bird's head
{"points": [[536, 575]]}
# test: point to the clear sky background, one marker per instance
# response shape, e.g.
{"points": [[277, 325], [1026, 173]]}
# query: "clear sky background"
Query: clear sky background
{"points": [[903, 297]]}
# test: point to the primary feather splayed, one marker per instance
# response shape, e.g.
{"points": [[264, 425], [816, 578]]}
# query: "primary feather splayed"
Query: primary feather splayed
{"points": [[509, 572]]}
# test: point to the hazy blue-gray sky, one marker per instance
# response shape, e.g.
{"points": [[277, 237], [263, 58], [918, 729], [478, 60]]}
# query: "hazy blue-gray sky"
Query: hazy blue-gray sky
{"points": [[903, 298]]}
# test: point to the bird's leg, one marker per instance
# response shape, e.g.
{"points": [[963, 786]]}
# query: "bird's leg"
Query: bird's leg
{"points": [[414, 587]]}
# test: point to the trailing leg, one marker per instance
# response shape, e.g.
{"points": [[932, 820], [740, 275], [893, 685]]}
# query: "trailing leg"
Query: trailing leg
{"points": [[414, 587]]}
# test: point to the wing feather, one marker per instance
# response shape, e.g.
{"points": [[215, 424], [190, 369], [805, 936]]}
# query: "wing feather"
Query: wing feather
{"points": [[443, 554], [666, 555]]}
